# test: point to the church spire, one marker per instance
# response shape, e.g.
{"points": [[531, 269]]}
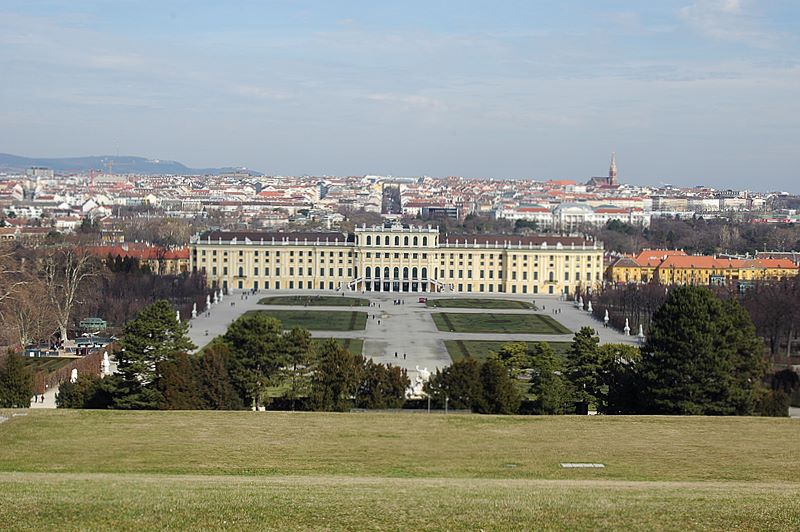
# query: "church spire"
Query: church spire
{"points": [[612, 170]]}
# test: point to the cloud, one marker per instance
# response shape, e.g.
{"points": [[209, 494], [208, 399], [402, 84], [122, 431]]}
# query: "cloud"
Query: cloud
{"points": [[409, 100], [727, 20], [256, 91]]}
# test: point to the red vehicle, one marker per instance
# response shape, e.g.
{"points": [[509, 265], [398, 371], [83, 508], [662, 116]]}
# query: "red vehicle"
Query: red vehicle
{"points": [[423, 300]]}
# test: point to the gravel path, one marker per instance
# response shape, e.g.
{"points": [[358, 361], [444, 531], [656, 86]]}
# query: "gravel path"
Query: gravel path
{"points": [[406, 328]]}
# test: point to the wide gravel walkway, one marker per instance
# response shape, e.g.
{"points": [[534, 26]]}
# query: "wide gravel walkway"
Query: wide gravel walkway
{"points": [[407, 328]]}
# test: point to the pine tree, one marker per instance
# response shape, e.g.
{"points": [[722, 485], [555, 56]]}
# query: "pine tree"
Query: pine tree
{"points": [[153, 337], [213, 380], [257, 354], [86, 392], [16, 382], [381, 386], [336, 378], [550, 389], [460, 384], [499, 391], [515, 356], [178, 384], [583, 368], [620, 376], [299, 356], [702, 357]]}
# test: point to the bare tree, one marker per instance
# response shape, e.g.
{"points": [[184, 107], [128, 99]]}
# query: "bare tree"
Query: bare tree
{"points": [[65, 270], [27, 314], [12, 277]]}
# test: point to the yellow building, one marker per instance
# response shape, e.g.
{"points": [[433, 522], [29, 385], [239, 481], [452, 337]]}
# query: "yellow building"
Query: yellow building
{"points": [[398, 259], [679, 268]]}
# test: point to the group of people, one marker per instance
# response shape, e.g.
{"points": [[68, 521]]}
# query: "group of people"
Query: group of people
{"points": [[398, 301]]}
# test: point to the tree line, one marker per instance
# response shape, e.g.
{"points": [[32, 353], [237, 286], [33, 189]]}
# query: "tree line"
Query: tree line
{"points": [[771, 305], [254, 364], [46, 291], [702, 357]]}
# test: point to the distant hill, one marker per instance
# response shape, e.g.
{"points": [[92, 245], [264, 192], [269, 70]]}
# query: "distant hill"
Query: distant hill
{"points": [[123, 164]]}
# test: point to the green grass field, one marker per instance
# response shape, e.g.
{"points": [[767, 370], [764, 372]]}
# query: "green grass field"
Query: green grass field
{"points": [[479, 303], [319, 320], [497, 323], [354, 345], [315, 301], [243, 470], [480, 349]]}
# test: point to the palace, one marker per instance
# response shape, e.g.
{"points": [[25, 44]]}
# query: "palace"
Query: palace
{"points": [[398, 259]]}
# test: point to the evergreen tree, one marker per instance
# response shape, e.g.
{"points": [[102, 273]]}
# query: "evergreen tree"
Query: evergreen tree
{"points": [[499, 391], [620, 377], [154, 336], [460, 383], [256, 345], [299, 356], [213, 380], [336, 378], [86, 392], [583, 368], [177, 384], [515, 356], [702, 357], [16, 382], [381, 386], [550, 389], [749, 362]]}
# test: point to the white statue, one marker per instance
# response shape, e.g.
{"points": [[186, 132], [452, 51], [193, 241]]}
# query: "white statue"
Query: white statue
{"points": [[627, 328], [589, 307], [194, 310], [216, 298], [73, 377], [220, 295], [178, 315], [105, 365], [418, 382], [208, 301], [641, 333], [606, 318]]}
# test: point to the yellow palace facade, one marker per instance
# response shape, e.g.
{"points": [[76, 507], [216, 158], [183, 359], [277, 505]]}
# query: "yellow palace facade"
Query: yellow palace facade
{"points": [[397, 259]]}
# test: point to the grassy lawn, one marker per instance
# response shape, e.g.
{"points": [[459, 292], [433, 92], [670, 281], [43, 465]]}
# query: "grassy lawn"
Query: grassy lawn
{"points": [[245, 470], [498, 323], [47, 364], [319, 320], [354, 345], [480, 303], [315, 301], [480, 349]]}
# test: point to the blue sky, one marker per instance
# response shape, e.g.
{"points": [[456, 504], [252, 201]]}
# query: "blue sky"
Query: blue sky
{"points": [[685, 91]]}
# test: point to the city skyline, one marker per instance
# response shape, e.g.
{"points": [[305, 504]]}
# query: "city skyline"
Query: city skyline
{"points": [[686, 92]]}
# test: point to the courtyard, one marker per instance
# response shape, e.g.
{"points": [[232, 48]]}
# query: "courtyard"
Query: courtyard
{"points": [[386, 331]]}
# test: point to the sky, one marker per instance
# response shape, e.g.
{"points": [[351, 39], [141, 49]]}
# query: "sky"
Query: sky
{"points": [[686, 92]]}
